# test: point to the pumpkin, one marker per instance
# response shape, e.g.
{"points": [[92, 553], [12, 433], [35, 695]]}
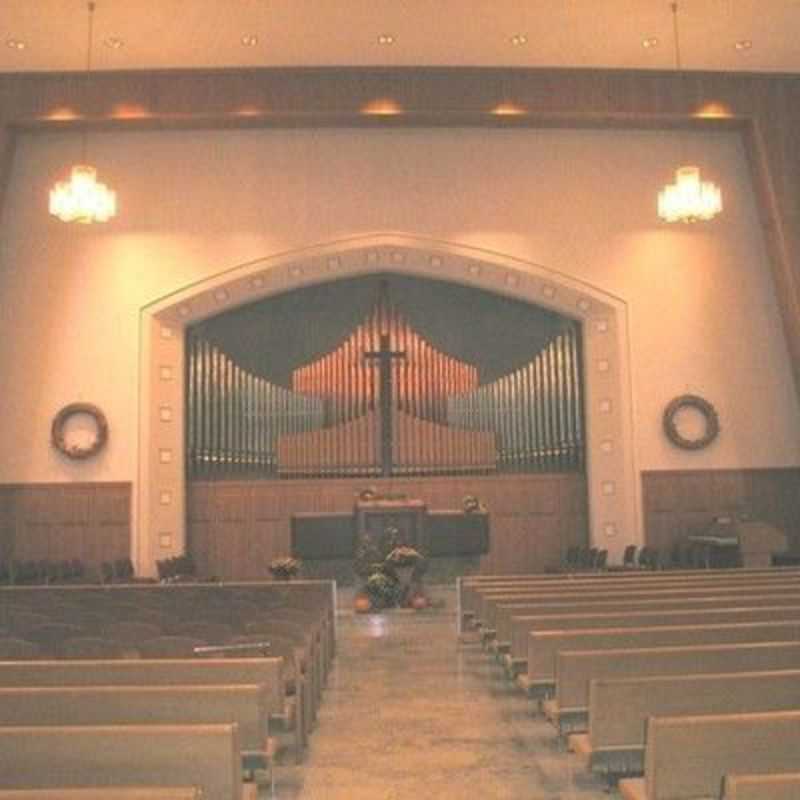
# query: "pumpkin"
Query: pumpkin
{"points": [[419, 601], [362, 604]]}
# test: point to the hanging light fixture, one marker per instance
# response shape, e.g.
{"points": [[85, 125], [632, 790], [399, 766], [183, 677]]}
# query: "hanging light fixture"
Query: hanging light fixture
{"points": [[689, 199], [82, 198]]}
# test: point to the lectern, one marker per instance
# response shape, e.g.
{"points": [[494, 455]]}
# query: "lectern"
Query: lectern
{"points": [[388, 523]]}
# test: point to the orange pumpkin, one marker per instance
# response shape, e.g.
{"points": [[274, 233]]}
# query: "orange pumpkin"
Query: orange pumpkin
{"points": [[419, 601], [362, 604]]}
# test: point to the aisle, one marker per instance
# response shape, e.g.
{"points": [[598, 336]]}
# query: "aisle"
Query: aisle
{"points": [[411, 715]]}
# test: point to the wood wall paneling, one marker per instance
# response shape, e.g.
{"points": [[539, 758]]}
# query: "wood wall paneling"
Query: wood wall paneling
{"points": [[65, 521], [529, 517], [679, 503]]}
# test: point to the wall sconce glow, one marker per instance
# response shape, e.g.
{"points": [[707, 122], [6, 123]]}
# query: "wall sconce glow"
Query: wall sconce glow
{"points": [[248, 111], [82, 199], [382, 106], [63, 114], [713, 110], [508, 110], [124, 111], [689, 199]]}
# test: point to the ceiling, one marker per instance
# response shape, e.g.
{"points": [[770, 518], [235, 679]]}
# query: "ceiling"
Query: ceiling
{"points": [[167, 34]]}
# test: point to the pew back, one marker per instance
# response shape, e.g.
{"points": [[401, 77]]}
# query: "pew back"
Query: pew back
{"points": [[687, 757], [619, 709], [469, 588], [543, 646], [106, 793], [266, 672], [206, 756], [246, 705], [780, 786], [574, 669], [735, 591], [635, 618]]}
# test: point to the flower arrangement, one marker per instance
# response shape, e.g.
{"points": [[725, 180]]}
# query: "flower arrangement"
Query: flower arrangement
{"points": [[406, 565], [365, 495], [284, 568], [403, 557], [382, 589], [471, 504]]}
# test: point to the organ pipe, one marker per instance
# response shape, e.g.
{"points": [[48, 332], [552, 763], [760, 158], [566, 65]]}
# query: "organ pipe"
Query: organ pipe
{"points": [[236, 421], [536, 412]]}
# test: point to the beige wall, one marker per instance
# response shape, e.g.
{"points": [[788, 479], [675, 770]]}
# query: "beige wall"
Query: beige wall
{"points": [[702, 311]]}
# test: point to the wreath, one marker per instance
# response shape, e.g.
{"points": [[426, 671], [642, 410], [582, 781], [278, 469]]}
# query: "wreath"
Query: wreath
{"points": [[698, 404], [73, 450]]}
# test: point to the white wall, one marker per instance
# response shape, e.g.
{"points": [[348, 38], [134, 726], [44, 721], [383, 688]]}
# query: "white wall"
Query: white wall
{"points": [[703, 315]]}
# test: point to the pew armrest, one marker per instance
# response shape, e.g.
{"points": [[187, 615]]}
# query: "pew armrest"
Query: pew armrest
{"points": [[633, 789], [581, 745]]}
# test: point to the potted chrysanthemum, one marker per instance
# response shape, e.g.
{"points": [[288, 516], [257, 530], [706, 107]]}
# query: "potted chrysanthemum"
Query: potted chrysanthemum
{"points": [[284, 568], [404, 562]]}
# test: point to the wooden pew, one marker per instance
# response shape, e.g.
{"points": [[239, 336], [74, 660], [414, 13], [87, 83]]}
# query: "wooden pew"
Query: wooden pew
{"points": [[576, 668], [545, 646], [469, 589], [106, 793], [267, 672], [516, 605], [489, 602], [468, 585], [688, 757], [778, 786], [619, 709], [189, 601], [248, 706], [516, 660], [206, 756]]}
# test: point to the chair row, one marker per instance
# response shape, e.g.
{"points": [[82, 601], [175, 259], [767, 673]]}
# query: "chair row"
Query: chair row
{"points": [[578, 558]]}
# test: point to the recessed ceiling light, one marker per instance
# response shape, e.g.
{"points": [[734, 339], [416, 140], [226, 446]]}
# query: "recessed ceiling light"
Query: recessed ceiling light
{"points": [[743, 44], [249, 40], [385, 38], [114, 42], [650, 42], [518, 39], [16, 44]]}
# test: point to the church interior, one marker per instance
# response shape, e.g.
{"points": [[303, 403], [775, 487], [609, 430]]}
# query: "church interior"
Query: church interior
{"points": [[400, 400]]}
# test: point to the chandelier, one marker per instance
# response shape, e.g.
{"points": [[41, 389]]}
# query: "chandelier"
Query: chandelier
{"points": [[82, 198], [689, 199]]}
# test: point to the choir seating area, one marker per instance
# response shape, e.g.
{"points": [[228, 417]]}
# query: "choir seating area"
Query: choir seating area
{"points": [[148, 687], [673, 685]]}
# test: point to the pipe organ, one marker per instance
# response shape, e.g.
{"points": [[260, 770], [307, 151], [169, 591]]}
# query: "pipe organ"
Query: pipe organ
{"points": [[234, 419], [384, 401], [536, 411]]}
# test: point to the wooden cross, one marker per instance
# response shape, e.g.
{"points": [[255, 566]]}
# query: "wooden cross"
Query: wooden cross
{"points": [[384, 357]]}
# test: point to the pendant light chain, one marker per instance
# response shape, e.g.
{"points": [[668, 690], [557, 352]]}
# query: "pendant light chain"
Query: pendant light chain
{"points": [[688, 199], [87, 80], [83, 198]]}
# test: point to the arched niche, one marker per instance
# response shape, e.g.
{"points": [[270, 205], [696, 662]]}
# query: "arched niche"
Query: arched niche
{"points": [[159, 529]]}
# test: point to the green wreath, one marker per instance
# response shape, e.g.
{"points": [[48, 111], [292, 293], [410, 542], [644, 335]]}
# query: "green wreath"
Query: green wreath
{"points": [[75, 451], [705, 408]]}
